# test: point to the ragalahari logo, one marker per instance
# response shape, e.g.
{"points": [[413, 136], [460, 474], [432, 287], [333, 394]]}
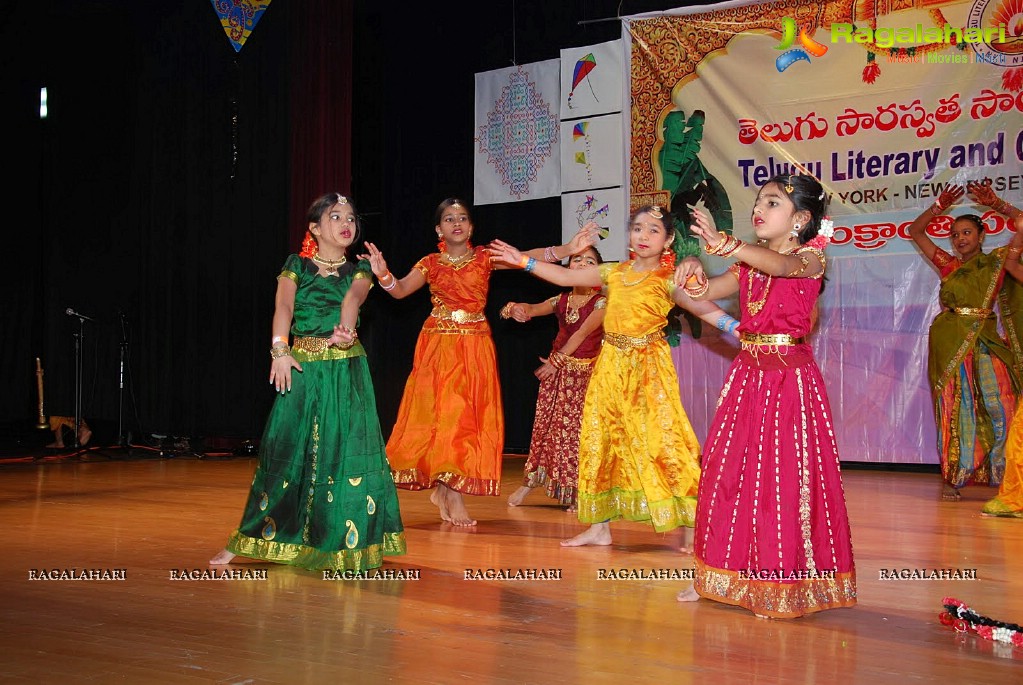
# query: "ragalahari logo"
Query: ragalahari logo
{"points": [[808, 45]]}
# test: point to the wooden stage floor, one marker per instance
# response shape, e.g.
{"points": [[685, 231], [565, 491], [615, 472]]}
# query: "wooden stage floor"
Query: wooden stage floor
{"points": [[155, 517]]}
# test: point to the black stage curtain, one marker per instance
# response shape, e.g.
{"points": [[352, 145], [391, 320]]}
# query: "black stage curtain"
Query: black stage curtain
{"points": [[168, 184]]}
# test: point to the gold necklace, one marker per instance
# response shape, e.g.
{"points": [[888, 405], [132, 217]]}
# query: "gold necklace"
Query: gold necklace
{"points": [[572, 312], [646, 275], [330, 264], [459, 260], [754, 307]]}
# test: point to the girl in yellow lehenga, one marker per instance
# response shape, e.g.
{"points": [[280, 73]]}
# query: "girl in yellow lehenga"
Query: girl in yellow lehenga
{"points": [[638, 456], [449, 434], [1009, 501]]}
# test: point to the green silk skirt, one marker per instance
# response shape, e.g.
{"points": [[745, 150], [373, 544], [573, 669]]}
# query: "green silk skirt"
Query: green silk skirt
{"points": [[322, 496]]}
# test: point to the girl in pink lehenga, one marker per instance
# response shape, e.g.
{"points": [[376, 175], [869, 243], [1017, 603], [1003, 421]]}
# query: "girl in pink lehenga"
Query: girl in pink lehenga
{"points": [[772, 532]]}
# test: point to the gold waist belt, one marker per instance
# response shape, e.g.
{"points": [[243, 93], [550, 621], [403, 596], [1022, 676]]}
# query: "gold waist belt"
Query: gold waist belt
{"points": [[316, 349], [564, 361], [768, 340], [458, 315], [628, 342], [310, 345], [973, 312]]}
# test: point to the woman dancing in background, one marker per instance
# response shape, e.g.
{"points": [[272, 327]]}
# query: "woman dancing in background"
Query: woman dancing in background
{"points": [[974, 372]]}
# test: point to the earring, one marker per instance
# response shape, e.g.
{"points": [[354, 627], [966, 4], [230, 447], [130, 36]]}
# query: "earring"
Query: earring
{"points": [[795, 230]]}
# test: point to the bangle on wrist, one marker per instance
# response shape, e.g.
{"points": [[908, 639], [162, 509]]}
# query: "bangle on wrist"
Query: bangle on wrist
{"points": [[549, 255], [524, 261], [530, 264], [937, 209], [390, 279], [283, 340], [279, 351], [506, 310], [699, 290]]}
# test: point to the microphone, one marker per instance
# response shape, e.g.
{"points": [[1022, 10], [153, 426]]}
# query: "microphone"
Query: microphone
{"points": [[71, 312]]}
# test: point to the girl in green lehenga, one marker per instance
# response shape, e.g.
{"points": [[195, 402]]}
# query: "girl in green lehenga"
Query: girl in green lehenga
{"points": [[974, 371], [322, 496]]}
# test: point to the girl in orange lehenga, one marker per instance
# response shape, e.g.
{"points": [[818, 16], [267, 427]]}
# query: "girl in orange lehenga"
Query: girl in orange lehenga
{"points": [[449, 434]]}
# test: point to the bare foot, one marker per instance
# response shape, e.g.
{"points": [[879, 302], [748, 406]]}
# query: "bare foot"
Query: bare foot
{"points": [[59, 445], [570, 509], [688, 595], [597, 534], [223, 557], [439, 498], [949, 493], [456, 507], [687, 541], [84, 435], [515, 499]]}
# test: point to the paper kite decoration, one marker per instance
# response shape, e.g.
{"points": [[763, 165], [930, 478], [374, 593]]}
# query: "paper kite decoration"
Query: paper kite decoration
{"points": [[582, 68], [239, 18]]}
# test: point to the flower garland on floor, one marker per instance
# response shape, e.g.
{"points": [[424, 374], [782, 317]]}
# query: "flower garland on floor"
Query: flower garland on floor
{"points": [[964, 619]]}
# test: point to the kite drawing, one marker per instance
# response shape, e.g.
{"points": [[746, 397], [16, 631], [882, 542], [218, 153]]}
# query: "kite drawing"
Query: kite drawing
{"points": [[579, 132], [582, 69], [588, 211]]}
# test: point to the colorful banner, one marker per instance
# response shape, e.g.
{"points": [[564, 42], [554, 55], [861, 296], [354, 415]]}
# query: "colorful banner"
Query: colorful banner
{"points": [[239, 18], [885, 103], [517, 133]]}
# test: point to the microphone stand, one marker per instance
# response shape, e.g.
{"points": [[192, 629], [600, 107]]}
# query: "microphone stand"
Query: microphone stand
{"points": [[122, 439], [79, 336]]}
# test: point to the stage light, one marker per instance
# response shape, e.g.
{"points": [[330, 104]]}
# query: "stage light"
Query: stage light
{"points": [[42, 103]]}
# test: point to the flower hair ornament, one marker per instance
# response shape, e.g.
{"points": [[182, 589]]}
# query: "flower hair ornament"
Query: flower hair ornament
{"points": [[965, 620], [825, 232]]}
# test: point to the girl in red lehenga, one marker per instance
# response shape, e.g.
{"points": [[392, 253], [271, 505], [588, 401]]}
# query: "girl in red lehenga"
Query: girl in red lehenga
{"points": [[772, 532], [554, 448], [449, 434]]}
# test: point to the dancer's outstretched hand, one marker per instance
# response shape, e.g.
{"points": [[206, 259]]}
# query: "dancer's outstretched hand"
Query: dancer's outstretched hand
{"points": [[983, 193], [503, 253], [703, 228], [949, 196], [376, 260], [585, 237]]}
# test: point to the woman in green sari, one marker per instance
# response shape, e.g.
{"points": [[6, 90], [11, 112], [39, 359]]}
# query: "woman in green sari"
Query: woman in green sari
{"points": [[975, 373]]}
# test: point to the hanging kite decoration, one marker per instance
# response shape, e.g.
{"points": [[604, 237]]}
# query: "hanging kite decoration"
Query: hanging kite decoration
{"points": [[579, 133], [239, 18], [582, 69]]}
